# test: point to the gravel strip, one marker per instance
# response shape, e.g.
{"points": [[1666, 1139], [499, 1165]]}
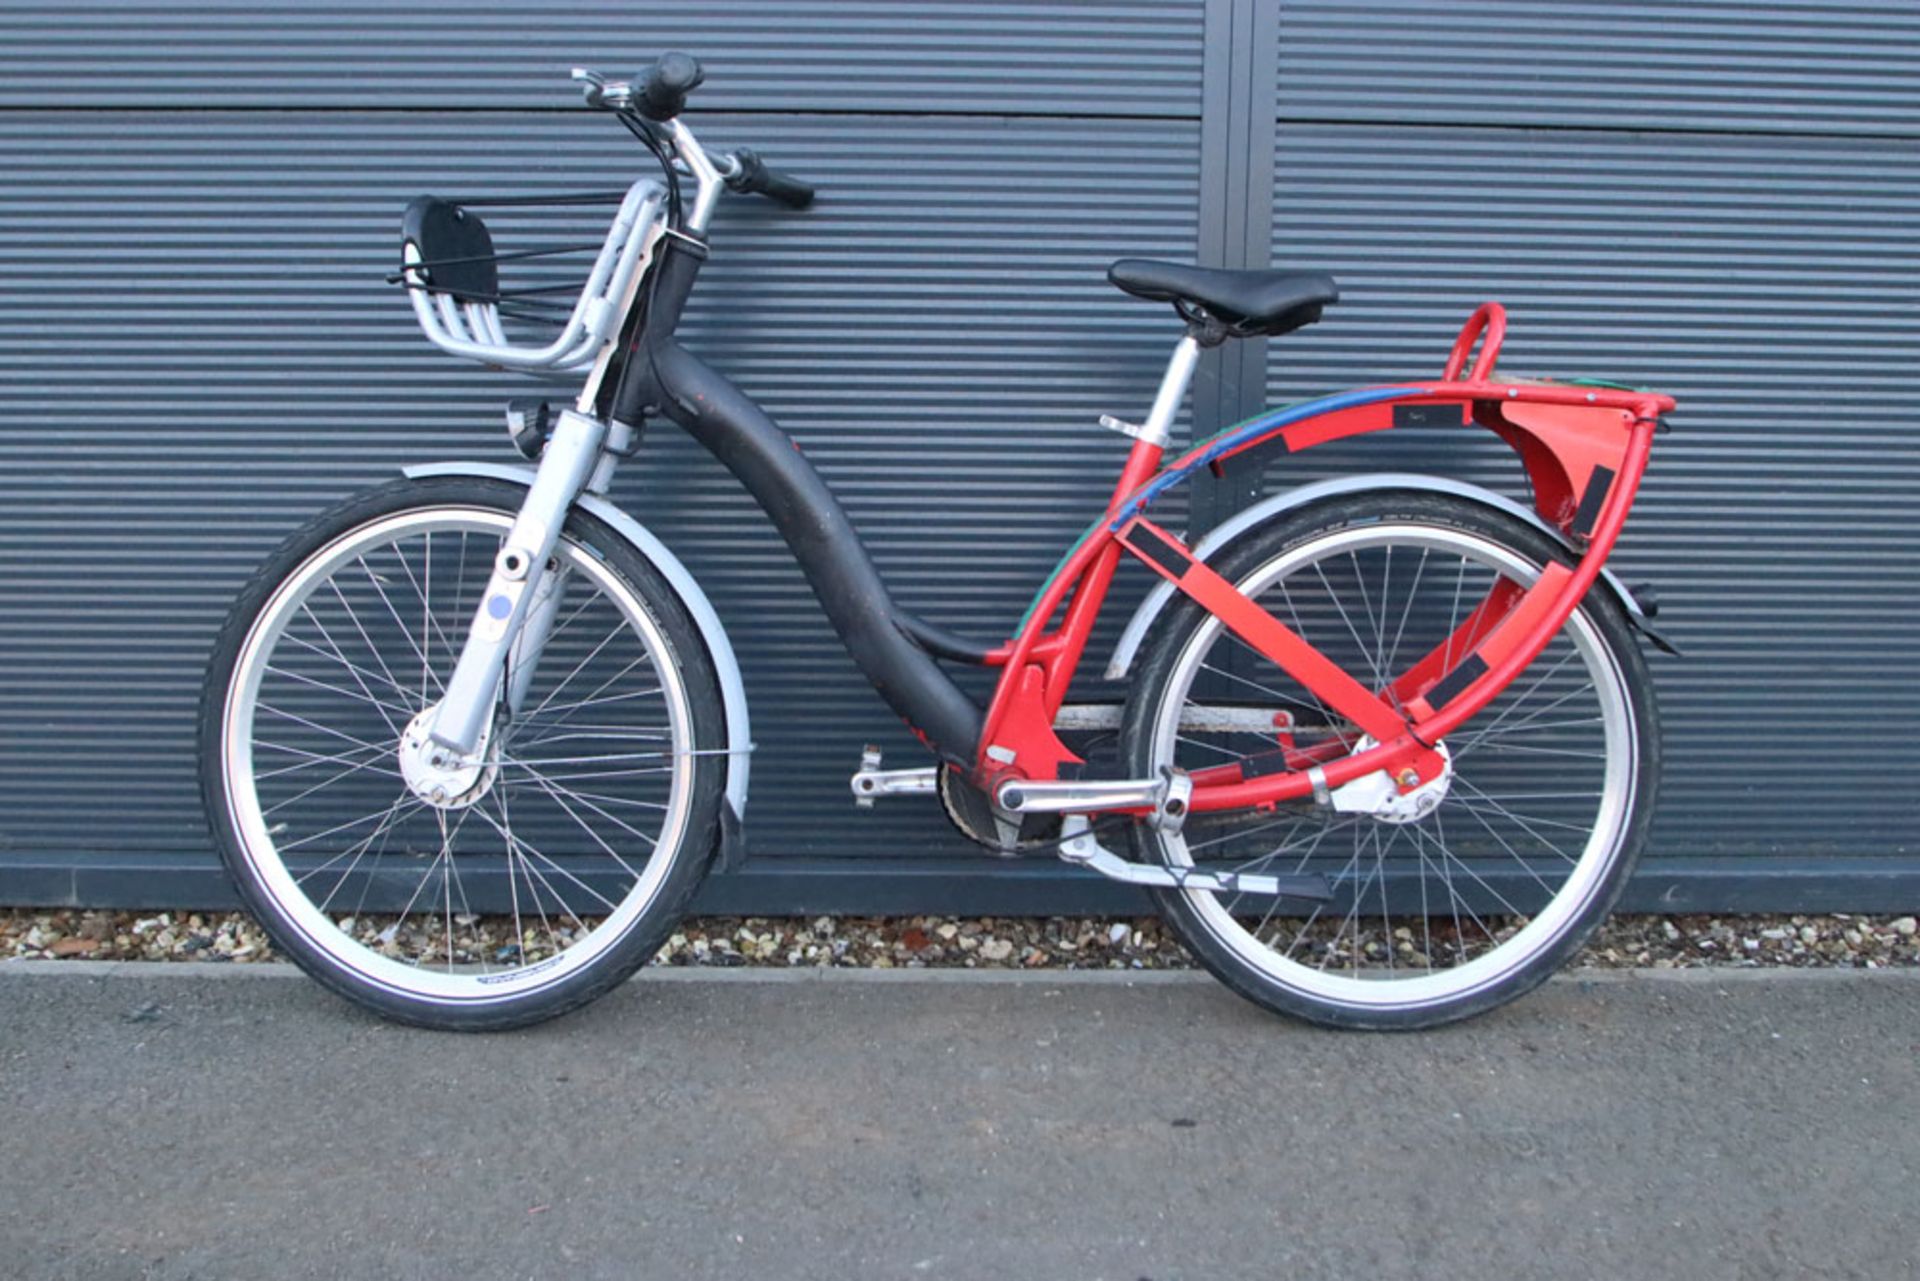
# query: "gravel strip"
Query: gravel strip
{"points": [[1838, 940]]}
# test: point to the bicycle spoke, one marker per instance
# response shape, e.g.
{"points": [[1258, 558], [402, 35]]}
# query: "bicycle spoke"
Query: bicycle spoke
{"points": [[379, 588], [311, 758], [1361, 645], [344, 693], [353, 617], [332, 733], [580, 666], [1520, 701], [533, 890], [650, 771], [329, 782], [363, 672], [1498, 808], [528, 848], [338, 827], [1523, 749], [1458, 901], [601, 702], [353, 671], [385, 831], [586, 827], [537, 780], [1518, 858], [359, 847], [595, 733], [1406, 612], [428, 622]]}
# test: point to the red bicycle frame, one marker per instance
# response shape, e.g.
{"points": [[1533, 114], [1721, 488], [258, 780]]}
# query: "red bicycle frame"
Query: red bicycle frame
{"points": [[1585, 449]]}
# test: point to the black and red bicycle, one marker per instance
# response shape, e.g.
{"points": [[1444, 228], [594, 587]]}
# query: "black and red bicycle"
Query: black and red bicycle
{"points": [[1387, 754]]}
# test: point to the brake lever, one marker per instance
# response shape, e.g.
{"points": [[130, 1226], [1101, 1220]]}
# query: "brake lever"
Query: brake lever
{"points": [[595, 84], [601, 92]]}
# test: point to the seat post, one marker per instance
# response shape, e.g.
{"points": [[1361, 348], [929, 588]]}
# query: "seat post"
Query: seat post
{"points": [[1173, 389]]}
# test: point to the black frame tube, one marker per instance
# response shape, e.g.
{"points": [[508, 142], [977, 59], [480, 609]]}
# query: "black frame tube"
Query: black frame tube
{"points": [[665, 377]]}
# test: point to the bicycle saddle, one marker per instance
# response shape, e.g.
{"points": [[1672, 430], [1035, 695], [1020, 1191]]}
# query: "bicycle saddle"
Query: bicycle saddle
{"points": [[1252, 302]]}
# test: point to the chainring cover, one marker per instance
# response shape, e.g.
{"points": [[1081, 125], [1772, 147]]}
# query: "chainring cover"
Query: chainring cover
{"points": [[969, 810]]}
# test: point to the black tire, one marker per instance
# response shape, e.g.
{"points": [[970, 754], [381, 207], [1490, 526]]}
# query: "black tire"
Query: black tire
{"points": [[1537, 940], [537, 987]]}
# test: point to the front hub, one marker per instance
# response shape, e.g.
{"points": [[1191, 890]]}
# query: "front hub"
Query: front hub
{"points": [[439, 776]]}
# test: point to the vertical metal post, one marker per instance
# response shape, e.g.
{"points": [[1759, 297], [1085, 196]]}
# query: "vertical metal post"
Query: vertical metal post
{"points": [[1238, 110]]}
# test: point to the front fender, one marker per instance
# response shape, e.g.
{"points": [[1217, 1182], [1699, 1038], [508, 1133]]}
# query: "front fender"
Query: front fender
{"points": [[733, 693], [1223, 534]]}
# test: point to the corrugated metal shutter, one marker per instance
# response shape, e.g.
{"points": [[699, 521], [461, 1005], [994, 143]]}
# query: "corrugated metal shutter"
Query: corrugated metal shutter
{"points": [[1053, 57], [1724, 66], [196, 349], [1715, 200]]}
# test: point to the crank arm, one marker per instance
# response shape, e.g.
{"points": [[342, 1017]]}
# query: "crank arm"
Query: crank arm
{"points": [[872, 782], [1164, 799], [1083, 848]]}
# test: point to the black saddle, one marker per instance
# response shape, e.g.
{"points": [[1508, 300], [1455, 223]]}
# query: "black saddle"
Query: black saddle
{"points": [[1247, 302]]}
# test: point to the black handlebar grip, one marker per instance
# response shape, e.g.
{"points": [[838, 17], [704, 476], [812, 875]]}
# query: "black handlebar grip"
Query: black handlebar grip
{"points": [[753, 175], [787, 189], [666, 84]]}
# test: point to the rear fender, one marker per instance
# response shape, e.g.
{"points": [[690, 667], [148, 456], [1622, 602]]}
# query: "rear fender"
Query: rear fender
{"points": [[1224, 534], [733, 693]]}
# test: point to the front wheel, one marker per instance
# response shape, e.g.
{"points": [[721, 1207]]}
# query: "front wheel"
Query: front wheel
{"points": [[1546, 807], [517, 888]]}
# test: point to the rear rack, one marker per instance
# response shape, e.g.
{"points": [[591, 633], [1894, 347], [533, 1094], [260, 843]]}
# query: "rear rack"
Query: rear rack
{"points": [[452, 273]]}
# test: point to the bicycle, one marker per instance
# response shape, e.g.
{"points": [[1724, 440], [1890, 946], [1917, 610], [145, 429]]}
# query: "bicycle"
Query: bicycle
{"points": [[1387, 755]]}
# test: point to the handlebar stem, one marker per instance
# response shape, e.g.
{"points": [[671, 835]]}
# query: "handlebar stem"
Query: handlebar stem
{"points": [[707, 178]]}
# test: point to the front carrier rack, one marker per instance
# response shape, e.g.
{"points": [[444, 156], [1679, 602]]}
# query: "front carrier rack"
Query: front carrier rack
{"points": [[452, 273]]}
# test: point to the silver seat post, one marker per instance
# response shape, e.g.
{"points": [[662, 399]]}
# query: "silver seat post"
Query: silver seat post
{"points": [[1158, 429]]}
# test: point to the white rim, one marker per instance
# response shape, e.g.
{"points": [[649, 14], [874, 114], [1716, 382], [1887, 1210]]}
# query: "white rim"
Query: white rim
{"points": [[461, 986], [1404, 990]]}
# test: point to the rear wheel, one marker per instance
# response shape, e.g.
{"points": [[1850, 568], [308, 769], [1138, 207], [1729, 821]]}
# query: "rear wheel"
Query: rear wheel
{"points": [[510, 891], [1545, 809]]}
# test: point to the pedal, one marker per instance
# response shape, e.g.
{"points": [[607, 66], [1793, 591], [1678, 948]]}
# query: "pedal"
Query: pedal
{"points": [[871, 782]]}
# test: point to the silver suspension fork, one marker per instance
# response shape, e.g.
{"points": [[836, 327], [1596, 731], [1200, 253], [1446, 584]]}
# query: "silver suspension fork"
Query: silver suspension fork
{"points": [[580, 455], [524, 658], [573, 457]]}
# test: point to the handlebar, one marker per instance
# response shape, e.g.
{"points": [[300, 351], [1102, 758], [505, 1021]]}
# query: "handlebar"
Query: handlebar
{"points": [[658, 95], [750, 173], [663, 87]]}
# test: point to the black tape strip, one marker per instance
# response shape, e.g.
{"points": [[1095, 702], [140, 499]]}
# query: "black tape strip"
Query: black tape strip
{"points": [[1471, 668], [1429, 414], [1261, 764], [1598, 486], [1159, 549]]}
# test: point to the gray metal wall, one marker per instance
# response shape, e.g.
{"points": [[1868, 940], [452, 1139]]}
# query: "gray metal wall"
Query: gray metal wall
{"points": [[196, 352]]}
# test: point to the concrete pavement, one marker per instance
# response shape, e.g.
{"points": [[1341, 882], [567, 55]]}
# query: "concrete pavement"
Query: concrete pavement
{"points": [[187, 1121]]}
